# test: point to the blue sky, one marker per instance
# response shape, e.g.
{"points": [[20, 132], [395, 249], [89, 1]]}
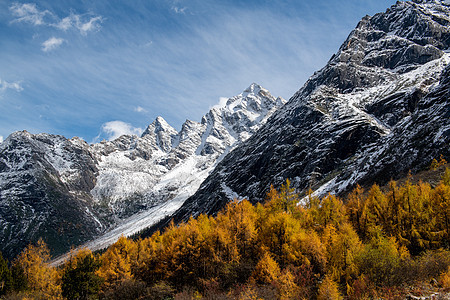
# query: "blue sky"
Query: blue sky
{"points": [[97, 69]]}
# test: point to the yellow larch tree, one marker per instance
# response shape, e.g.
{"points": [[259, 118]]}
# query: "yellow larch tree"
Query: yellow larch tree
{"points": [[117, 261], [267, 270], [40, 276]]}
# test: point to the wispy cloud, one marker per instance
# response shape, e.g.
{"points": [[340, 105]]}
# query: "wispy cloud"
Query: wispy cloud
{"points": [[29, 13], [16, 86], [1, 139], [140, 109], [92, 24], [227, 52], [83, 23], [52, 43], [65, 23], [114, 129], [179, 10]]}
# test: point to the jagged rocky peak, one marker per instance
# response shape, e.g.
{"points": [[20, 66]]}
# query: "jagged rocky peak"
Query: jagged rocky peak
{"points": [[245, 112], [158, 125], [236, 119], [190, 129], [407, 35], [162, 132], [48, 150], [18, 135], [188, 139], [254, 98], [255, 89]]}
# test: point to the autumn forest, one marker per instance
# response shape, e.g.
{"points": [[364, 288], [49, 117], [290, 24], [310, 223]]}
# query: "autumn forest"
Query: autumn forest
{"points": [[373, 243]]}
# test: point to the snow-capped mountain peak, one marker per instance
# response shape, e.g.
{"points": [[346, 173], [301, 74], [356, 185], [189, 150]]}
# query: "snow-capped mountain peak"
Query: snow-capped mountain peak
{"points": [[115, 183], [254, 98], [159, 124], [253, 89], [238, 119], [162, 133]]}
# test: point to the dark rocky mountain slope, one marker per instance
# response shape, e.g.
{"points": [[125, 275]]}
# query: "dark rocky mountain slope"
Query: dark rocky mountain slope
{"points": [[378, 109]]}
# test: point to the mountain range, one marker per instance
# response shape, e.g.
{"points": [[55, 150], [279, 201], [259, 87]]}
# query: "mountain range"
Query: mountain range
{"points": [[377, 110], [68, 192]]}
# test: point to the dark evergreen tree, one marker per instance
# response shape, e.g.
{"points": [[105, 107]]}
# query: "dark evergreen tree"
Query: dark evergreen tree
{"points": [[5, 276], [19, 280], [79, 280]]}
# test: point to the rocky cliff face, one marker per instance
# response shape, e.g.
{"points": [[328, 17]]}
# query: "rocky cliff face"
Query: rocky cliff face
{"points": [[45, 182], [68, 192], [378, 109]]}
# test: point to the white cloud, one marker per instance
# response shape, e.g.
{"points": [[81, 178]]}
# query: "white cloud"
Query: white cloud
{"points": [[92, 24], [1, 139], [29, 13], [65, 23], [115, 129], [140, 109], [51, 44], [222, 103], [80, 22], [4, 85], [179, 10]]}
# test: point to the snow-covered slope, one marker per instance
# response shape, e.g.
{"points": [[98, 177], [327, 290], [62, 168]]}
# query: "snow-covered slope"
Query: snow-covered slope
{"points": [[378, 109], [130, 182], [136, 173]]}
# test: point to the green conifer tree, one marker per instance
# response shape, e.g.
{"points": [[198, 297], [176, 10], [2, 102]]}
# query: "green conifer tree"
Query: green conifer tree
{"points": [[79, 280], [5, 276]]}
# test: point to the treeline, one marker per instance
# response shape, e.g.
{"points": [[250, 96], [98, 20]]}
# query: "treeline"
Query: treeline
{"points": [[369, 245]]}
